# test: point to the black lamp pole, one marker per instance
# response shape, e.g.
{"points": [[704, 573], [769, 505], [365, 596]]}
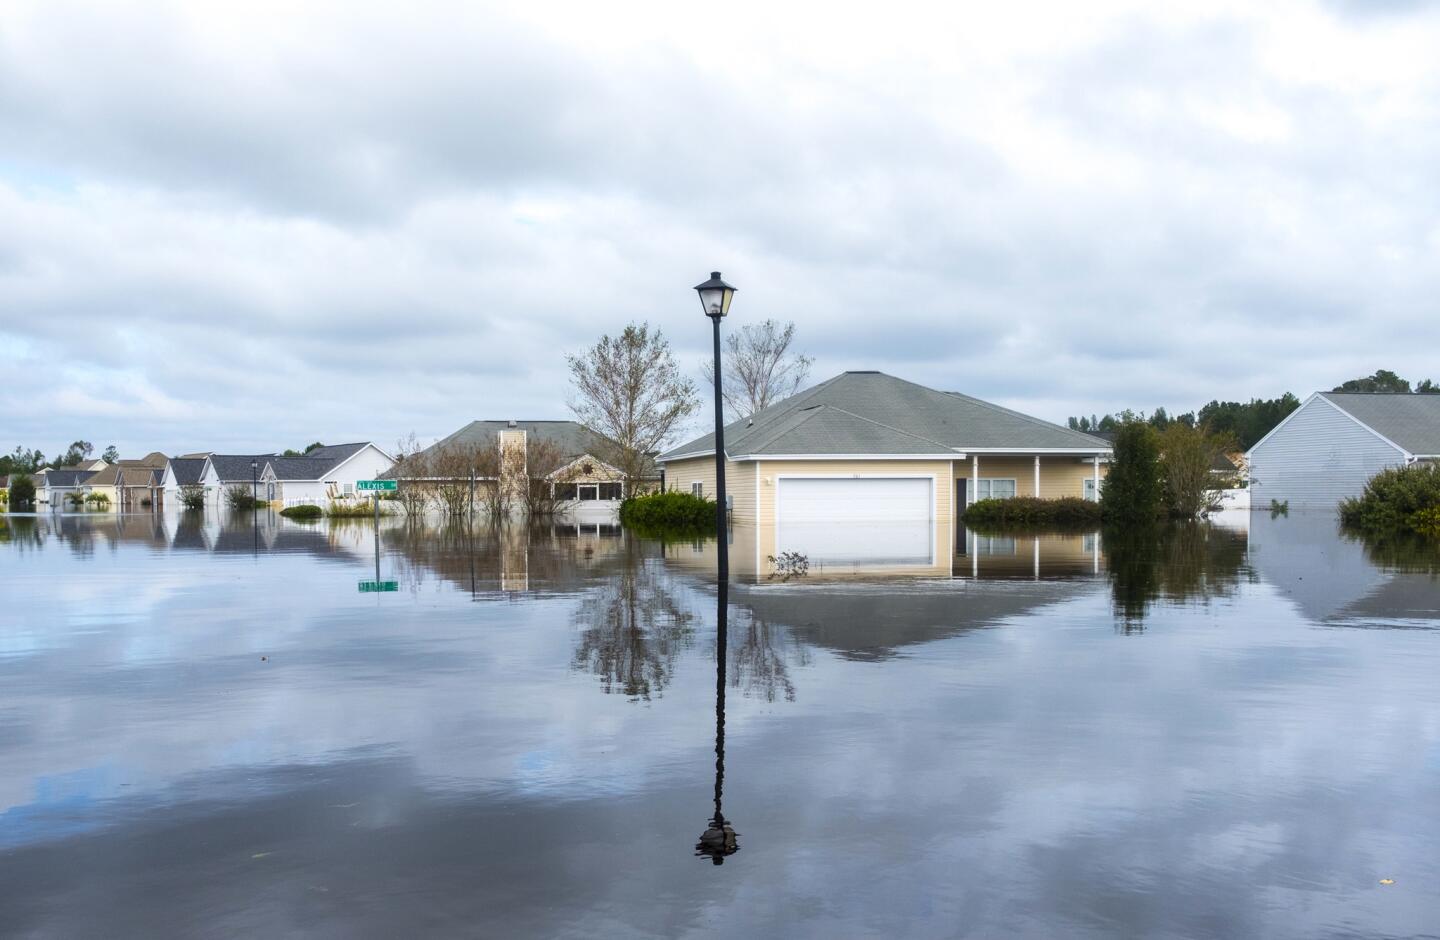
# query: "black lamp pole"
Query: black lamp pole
{"points": [[715, 297], [254, 484]]}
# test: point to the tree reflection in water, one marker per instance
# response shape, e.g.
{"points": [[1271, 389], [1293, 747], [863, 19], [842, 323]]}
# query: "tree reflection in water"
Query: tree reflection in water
{"points": [[760, 660], [1403, 552], [634, 628], [1175, 563]]}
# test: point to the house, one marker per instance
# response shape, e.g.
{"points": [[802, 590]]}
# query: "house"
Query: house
{"points": [[140, 488], [1328, 448], [581, 476], [323, 474], [52, 486], [868, 469], [179, 472], [222, 471], [106, 481]]}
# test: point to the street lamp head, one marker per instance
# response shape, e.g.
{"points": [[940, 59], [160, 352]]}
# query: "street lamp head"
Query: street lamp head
{"points": [[715, 296], [254, 465]]}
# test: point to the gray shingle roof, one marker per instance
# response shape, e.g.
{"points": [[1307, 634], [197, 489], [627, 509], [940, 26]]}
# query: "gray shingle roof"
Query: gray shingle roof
{"points": [[303, 468], [67, 477], [572, 437], [871, 413], [1412, 421], [187, 470], [232, 467], [335, 452]]}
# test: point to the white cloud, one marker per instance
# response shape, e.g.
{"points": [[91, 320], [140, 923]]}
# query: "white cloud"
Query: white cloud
{"points": [[273, 225]]}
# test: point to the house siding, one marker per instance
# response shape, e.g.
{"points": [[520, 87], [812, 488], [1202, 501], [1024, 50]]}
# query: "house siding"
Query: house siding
{"points": [[1059, 475], [739, 482], [1318, 458]]}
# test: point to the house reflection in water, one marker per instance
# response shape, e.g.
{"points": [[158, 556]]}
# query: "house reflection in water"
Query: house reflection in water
{"points": [[989, 557]]}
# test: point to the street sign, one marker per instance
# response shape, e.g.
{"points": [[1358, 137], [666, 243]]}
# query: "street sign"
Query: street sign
{"points": [[386, 486], [378, 587]]}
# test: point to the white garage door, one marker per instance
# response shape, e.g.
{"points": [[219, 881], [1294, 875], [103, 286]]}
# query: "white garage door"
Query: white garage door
{"points": [[865, 521]]}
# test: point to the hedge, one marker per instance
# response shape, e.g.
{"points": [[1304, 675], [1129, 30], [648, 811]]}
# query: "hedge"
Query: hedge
{"points": [[304, 511], [1029, 512], [674, 511]]}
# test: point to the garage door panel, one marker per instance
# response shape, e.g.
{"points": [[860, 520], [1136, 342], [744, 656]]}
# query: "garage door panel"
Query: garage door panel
{"points": [[857, 521]]}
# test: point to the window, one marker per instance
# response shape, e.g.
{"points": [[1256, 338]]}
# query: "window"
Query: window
{"points": [[610, 491], [1090, 489], [589, 492], [697, 489], [566, 491], [994, 545], [994, 489], [348, 489]]}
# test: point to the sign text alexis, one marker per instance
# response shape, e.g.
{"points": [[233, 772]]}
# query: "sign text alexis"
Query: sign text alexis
{"points": [[385, 486]]}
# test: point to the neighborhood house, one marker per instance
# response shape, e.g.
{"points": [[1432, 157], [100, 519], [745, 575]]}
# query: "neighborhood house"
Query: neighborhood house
{"points": [[868, 469], [323, 474], [1328, 448]]}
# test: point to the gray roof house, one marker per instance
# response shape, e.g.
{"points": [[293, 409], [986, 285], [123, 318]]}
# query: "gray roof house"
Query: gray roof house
{"points": [[1326, 450], [868, 469], [325, 473]]}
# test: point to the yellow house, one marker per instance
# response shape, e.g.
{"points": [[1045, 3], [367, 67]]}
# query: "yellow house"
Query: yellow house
{"points": [[871, 471]]}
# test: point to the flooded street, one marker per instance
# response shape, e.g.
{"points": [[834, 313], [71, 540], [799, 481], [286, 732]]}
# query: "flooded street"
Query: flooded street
{"points": [[215, 729]]}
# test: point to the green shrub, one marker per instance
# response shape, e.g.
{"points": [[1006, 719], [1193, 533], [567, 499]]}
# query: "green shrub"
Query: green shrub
{"points": [[1427, 522], [98, 500], [1133, 490], [302, 512], [1395, 500], [22, 492], [192, 496], [672, 512], [1029, 512]]}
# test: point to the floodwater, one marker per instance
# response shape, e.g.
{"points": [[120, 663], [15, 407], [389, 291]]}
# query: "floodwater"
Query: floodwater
{"points": [[215, 728]]}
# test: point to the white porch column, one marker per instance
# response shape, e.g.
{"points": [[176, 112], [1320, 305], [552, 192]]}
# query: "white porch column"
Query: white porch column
{"points": [[974, 479], [1097, 477], [1037, 476]]}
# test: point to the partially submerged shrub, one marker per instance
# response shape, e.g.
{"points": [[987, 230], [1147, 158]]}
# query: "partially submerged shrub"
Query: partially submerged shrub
{"points": [[22, 491], [1134, 490], [1030, 512], [351, 509], [668, 512], [240, 498], [192, 496], [1395, 500], [789, 565], [305, 511], [98, 500]]}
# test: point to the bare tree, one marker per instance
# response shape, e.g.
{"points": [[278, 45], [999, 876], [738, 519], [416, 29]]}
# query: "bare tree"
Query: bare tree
{"points": [[760, 368], [1187, 457], [629, 389], [412, 473], [452, 467], [546, 477]]}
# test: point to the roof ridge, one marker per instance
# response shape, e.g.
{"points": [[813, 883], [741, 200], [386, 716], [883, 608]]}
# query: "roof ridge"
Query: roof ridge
{"points": [[891, 427]]}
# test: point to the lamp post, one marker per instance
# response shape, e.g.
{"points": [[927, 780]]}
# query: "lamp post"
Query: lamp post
{"points": [[715, 297], [254, 485]]}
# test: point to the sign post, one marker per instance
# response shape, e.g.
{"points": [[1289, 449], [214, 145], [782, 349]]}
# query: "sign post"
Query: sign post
{"points": [[376, 487]]}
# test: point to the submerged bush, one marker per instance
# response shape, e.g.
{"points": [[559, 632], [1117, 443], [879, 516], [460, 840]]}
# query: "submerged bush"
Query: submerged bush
{"points": [[1396, 500], [347, 509], [1134, 489], [240, 498], [306, 511], [1030, 512], [192, 496], [22, 491], [668, 512]]}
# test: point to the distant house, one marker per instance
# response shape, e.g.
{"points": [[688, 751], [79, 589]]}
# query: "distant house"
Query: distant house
{"points": [[583, 476], [323, 474], [52, 485], [107, 480], [222, 471], [180, 471], [1328, 448], [867, 466]]}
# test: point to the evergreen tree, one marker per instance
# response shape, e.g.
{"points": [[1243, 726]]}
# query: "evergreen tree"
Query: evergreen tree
{"points": [[1132, 492]]}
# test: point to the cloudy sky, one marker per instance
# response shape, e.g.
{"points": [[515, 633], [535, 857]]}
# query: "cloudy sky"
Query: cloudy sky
{"points": [[253, 226]]}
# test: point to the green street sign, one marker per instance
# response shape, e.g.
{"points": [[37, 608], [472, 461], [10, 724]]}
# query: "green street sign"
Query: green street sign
{"points": [[387, 486], [378, 587]]}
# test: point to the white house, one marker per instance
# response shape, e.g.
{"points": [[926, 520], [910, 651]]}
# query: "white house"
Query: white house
{"points": [[323, 474], [52, 486], [1328, 448], [181, 471], [222, 471]]}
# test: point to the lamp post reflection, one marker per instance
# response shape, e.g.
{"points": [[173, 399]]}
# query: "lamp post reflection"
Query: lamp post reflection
{"points": [[718, 840]]}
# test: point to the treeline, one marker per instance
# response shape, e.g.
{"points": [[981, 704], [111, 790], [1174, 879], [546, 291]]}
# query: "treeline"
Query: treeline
{"points": [[1248, 422], [25, 460]]}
